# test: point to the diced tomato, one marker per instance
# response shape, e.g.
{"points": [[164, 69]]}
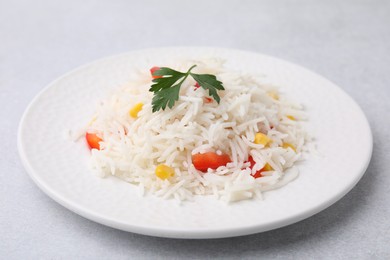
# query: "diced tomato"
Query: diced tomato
{"points": [[93, 140], [258, 173], [152, 70], [208, 100], [209, 160], [196, 86]]}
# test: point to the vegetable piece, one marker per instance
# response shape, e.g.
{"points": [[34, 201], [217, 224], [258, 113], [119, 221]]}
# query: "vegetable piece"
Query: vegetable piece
{"points": [[267, 168], [134, 111], [166, 88], [258, 174], [93, 140], [164, 172], [211, 160], [263, 139], [291, 117], [273, 94], [207, 100], [209, 82], [152, 70], [196, 86], [288, 145]]}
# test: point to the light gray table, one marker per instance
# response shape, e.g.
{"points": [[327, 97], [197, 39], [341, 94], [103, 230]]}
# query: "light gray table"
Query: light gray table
{"points": [[346, 41]]}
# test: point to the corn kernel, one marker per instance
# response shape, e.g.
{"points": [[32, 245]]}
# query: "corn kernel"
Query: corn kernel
{"points": [[291, 117], [273, 94], [288, 145], [134, 111], [261, 138], [164, 172], [267, 168]]}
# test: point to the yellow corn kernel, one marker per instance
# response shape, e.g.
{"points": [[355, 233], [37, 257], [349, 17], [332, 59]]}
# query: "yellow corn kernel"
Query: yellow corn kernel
{"points": [[164, 172], [288, 145], [261, 138], [273, 94], [134, 111], [267, 168], [291, 117]]}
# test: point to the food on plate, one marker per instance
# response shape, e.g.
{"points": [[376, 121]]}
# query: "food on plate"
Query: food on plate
{"points": [[198, 128], [93, 140]]}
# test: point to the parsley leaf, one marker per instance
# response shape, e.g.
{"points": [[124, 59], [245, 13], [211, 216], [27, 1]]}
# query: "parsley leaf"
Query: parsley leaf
{"points": [[167, 82], [210, 83], [167, 96], [169, 78]]}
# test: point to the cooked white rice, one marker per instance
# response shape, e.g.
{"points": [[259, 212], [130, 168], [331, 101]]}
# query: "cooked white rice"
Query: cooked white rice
{"points": [[132, 148]]}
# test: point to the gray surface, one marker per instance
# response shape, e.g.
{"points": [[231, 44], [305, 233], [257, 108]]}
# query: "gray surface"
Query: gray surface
{"points": [[346, 41]]}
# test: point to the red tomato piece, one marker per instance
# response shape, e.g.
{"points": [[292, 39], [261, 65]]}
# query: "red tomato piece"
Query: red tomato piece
{"points": [[258, 173], [211, 160], [152, 70], [93, 140], [197, 86], [208, 100]]}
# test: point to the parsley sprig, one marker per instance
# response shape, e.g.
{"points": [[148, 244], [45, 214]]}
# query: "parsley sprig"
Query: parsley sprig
{"points": [[167, 83]]}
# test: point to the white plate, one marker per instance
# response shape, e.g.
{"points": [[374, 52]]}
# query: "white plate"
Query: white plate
{"points": [[59, 166]]}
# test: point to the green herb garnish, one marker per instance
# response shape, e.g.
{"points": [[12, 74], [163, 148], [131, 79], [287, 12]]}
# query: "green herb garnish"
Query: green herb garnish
{"points": [[166, 87]]}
